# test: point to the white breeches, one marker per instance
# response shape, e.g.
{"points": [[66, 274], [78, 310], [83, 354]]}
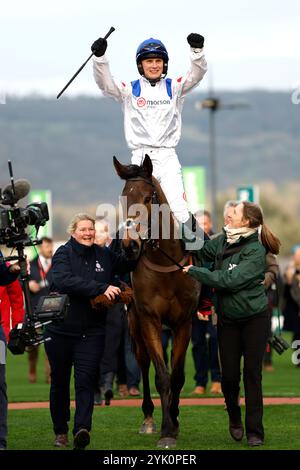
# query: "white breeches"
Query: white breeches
{"points": [[167, 170]]}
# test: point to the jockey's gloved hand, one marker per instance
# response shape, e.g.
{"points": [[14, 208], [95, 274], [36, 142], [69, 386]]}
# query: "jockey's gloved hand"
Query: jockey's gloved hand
{"points": [[99, 47], [195, 40]]}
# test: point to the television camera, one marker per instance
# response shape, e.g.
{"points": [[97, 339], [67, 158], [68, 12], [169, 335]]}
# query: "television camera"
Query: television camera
{"points": [[14, 221]]}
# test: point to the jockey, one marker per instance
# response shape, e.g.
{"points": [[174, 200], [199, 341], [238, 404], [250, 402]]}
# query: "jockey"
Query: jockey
{"points": [[152, 110]]}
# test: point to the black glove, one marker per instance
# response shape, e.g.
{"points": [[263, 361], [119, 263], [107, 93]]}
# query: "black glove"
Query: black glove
{"points": [[195, 40], [99, 47]]}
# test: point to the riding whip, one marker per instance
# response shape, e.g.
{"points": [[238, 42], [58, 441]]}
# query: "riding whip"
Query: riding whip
{"points": [[112, 29]]}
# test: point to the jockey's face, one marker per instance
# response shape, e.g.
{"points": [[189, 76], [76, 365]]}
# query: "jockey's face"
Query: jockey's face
{"points": [[153, 68], [84, 232]]}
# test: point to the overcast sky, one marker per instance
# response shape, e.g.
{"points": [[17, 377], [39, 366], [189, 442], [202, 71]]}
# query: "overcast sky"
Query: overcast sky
{"points": [[248, 43]]}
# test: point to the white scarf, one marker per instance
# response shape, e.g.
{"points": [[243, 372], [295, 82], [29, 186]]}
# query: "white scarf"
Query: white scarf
{"points": [[234, 234]]}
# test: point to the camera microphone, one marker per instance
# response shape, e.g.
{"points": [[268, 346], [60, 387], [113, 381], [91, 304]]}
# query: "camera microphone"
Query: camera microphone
{"points": [[21, 189]]}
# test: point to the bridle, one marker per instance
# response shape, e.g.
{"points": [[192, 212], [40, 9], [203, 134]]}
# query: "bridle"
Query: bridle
{"points": [[146, 239]]}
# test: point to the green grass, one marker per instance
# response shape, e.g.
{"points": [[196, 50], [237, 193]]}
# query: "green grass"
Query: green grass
{"points": [[284, 381], [114, 428]]}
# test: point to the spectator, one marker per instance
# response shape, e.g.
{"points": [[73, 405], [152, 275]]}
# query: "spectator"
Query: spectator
{"points": [[271, 283], [291, 309], [11, 306], [118, 345], [205, 221], [82, 270], [152, 110], [274, 288], [241, 303], [8, 274], [204, 335], [102, 234], [39, 285]]}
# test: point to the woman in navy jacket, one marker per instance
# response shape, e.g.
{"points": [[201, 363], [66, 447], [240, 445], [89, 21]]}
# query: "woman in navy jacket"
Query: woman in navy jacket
{"points": [[82, 270]]}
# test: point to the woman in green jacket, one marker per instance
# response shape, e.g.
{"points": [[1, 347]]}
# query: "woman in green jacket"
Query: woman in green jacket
{"points": [[240, 300]]}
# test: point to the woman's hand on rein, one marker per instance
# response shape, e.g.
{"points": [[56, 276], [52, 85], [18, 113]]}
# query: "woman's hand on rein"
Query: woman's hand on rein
{"points": [[186, 268], [111, 292]]}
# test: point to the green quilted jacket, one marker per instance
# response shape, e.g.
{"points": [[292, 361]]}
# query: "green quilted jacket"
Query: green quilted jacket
{"points": [[237, 276]]}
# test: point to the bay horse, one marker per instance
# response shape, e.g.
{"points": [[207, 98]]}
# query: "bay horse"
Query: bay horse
{"points": [[162, 295]]}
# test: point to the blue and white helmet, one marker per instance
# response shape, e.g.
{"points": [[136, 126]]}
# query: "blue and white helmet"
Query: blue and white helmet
{"points": [[151, 48]]}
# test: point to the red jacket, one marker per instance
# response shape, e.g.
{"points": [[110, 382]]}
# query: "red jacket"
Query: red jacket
{"points": [[11, 306]]}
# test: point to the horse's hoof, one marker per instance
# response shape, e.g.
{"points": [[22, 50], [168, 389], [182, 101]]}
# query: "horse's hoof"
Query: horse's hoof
{"points": [[148, 428], [166, 442]]}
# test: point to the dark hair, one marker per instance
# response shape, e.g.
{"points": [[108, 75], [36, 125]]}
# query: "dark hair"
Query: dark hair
{"points": [[201, 212], [254, 214], [46, 239]]}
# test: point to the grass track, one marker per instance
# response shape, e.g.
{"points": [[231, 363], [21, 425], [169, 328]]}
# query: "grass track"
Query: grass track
{"points": [[284, 381], [202, 428]]}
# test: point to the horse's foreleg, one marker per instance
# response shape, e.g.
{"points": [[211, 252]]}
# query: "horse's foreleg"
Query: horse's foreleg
{"points": [[143, 359], [152, 338], [148, 426], [180, 345]]}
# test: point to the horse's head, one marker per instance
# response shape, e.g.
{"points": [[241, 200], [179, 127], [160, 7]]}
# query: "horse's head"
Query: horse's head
{"points": [[138, 194]]}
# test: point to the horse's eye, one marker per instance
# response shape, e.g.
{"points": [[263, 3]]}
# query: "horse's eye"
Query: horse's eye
{"points": [[147, 200]]}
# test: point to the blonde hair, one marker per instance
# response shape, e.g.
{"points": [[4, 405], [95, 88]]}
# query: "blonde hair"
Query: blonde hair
{"points": [[78, 218]]}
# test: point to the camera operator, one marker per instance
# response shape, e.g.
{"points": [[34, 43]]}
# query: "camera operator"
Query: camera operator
{"points": [[8, 274], [82, 270]]}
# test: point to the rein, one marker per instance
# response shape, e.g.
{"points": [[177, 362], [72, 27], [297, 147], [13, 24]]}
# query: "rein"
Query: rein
{"points": [[165, 269]]}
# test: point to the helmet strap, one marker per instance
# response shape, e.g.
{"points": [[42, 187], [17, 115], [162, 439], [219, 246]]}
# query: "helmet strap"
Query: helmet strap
{"points": [[140, 68], [155, 81]]}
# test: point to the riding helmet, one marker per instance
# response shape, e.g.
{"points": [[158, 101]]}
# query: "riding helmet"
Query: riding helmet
{"points": [[151, 48]]}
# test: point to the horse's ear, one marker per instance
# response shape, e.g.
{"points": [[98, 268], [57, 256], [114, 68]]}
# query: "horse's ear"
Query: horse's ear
{"points": [[147, 165], [120, 169]]}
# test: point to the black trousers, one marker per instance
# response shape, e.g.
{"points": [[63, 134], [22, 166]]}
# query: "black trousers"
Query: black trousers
{"points": [[84, 352], [245, 338], [118, 351], [205, 352], [114, 332]]}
